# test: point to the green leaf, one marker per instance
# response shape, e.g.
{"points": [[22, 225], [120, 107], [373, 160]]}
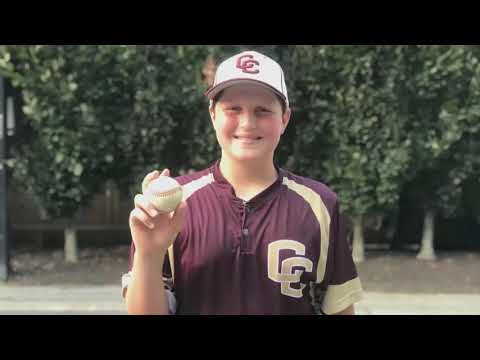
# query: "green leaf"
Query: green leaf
{"points": [[78, 169]]}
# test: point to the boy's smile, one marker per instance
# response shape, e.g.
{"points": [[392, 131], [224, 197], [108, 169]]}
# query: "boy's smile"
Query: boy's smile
{"points": [[247, 139]]}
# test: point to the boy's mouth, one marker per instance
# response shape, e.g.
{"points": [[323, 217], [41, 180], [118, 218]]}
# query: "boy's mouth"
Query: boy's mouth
{"points": [[247, 138]]}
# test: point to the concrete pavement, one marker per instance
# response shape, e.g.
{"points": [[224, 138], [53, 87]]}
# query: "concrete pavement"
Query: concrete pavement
{"points": [[61, 300], [107, 300], [375, 303]]}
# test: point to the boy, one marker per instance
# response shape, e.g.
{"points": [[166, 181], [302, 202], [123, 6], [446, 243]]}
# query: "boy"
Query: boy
{"points": [[249, 237]]}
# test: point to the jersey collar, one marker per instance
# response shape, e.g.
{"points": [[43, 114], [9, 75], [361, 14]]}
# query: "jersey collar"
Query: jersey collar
{"points": [[260, 198]]}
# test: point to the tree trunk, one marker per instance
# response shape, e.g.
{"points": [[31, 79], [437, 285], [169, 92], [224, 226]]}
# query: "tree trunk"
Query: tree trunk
{"points": [[71, 253], [108, 201], [358, 250], [116, 204], [427, 251], [40, 235]]}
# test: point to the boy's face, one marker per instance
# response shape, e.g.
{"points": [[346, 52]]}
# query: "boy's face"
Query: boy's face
{"points": [[248, 121]]}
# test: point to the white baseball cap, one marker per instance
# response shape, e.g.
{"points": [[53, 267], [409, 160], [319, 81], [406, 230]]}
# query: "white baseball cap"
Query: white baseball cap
{"points": [[248, 67]]}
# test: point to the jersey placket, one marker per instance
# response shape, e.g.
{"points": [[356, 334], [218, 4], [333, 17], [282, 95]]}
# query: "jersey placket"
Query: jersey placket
{"points": [[244, 240]]}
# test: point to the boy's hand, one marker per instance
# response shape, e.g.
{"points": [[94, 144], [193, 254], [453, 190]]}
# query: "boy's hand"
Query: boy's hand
{"points": [[152, 232]]}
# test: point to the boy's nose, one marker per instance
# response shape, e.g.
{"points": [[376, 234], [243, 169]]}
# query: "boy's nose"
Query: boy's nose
{"points": [[248, 121]]}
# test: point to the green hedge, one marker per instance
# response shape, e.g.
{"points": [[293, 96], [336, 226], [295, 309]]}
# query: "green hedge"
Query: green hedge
{"points": [[367, 120]]}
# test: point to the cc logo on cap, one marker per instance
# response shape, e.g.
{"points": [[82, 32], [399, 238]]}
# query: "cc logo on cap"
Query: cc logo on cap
{"points": [[247, 65]]}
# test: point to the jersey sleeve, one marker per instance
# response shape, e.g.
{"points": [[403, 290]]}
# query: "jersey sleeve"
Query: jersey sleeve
{"points": [[167, 280], [343, 286]]}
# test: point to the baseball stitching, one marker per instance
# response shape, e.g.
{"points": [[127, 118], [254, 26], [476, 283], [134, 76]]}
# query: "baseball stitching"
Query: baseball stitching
{"points": [[169, 192]]}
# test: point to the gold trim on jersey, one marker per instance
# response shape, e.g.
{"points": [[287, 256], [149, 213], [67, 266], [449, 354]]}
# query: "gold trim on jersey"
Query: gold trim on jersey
{"points": [[339, 297], [323, 218], [172, 261]]}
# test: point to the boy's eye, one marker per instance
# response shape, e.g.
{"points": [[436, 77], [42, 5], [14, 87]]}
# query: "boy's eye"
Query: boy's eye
{"points": [[263, 110], [233, 108]]}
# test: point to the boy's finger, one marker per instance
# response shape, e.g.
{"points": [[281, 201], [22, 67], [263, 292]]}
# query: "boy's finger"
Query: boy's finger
{"points": [[139, 217], [142, 202], [148, 178], [165, 172]]}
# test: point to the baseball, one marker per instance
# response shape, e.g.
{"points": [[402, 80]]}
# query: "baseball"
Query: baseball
{"points": [[165, 193]]}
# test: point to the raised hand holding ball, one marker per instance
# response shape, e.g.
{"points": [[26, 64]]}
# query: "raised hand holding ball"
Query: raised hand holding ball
{"points": [[164, 193]]}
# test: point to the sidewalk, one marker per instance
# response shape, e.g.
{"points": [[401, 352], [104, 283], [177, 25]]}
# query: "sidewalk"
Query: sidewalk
{"points": [[375, 303], [100, 300], [61, 300]]}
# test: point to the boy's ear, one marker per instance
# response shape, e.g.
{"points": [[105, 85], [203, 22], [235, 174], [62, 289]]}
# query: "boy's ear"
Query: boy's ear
{"points": [[286, 119], [211, 111]]}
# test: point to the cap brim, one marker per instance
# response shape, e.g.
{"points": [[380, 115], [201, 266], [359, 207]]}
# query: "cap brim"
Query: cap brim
{"points": [[214, 91]]}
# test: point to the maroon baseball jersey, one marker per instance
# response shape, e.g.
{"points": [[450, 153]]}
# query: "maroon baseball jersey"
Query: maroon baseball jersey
{"points": [[282, 252]]}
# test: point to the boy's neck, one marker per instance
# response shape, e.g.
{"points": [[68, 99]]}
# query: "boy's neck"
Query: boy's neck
{"points": [[248, 178]]}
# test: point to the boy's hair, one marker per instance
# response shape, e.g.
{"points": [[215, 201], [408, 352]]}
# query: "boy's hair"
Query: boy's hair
{"points": [[220, 94]]}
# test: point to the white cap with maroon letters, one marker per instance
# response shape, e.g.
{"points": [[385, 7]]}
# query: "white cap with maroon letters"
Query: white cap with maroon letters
{"points": [[248, 67]]}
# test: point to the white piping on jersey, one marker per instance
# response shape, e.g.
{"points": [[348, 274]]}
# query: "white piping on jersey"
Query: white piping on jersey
{"points": [[188, 190], [323, 217]]}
